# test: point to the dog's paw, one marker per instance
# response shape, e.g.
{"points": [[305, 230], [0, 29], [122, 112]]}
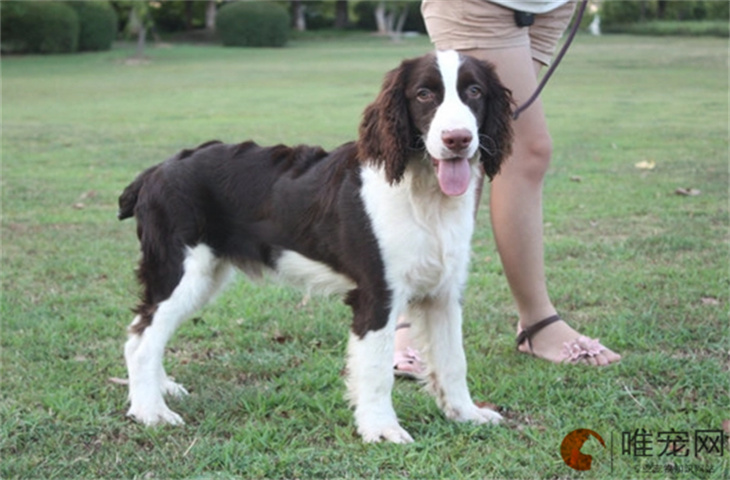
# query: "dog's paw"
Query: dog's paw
{"points": [[173, 389], [159, 415], [390, 433], [475, 414]]}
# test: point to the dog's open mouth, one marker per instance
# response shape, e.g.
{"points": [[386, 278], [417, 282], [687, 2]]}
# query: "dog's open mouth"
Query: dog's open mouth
{"points": [[454, 175]]}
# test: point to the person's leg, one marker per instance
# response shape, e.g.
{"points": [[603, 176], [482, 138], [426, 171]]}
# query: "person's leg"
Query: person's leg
{"points": [[516, 209], [407, 361], [488, 31]]}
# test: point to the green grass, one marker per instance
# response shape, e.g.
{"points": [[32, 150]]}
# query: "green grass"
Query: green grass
{"points": [[628, 261]]}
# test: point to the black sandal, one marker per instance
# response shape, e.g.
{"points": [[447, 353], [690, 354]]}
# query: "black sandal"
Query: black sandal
{"points": [[532, 330], [577, 350]]}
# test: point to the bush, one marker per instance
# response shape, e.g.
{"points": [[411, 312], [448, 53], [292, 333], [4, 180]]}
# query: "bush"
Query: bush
{"points": [[38, 27], [621, 13], [675, 28], [695, 18], [365, 16], [627, 12], [253, 24], [170, 17], [718, 11], [97, 24]]}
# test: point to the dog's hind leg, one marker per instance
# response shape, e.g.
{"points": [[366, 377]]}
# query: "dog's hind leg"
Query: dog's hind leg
{"points": [[222, 273], [446, 362], [167, 385], [203, 275]]}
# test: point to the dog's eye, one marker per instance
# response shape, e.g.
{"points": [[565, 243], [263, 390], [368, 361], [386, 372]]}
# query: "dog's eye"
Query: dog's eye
{"points": [[424, 95], [474, 91]]}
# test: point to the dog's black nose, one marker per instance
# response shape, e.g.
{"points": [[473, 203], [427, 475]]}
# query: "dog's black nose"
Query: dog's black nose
{"points": [[456, 140]]}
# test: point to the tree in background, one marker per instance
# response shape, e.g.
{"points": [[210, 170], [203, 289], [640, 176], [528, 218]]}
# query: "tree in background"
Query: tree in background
{"points": [[315, 15], [299, 21], [390, 17], [342, 14], [168, 16], [211, 7], [622, 12], [138, 23]]}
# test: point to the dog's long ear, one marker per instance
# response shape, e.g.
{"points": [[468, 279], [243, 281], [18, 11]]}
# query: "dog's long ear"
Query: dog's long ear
{"points": [[386, 131], [495, 133]]}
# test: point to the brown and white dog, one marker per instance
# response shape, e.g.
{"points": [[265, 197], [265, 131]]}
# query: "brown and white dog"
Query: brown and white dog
{"points": [[385, 221]]}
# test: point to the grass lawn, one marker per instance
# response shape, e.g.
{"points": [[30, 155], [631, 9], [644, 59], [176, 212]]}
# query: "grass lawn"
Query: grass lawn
{"points": [[628, 260]]}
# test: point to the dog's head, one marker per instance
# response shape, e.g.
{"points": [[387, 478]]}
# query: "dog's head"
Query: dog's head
{"points": [[450, 105]]}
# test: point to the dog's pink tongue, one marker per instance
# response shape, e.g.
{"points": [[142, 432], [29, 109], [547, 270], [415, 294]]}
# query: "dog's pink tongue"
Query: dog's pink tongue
{"points": [[454, 176]]}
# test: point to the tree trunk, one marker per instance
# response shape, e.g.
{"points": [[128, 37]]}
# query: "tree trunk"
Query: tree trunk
{"points": [[401, 20], [396, 26], [141, 40], [137, 25], [210, 11], [297, 15], [188, 15], [342, 17], [381, 18]]}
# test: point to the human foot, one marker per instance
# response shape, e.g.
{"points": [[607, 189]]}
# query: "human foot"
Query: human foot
{"points": [[555, 341], [407, 362]]}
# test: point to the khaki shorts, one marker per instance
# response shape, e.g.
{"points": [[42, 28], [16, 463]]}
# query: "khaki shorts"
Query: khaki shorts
{"points": [[479, 24]]}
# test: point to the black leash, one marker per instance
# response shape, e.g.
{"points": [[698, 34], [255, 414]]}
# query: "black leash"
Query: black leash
{"points": [[554, 66]]}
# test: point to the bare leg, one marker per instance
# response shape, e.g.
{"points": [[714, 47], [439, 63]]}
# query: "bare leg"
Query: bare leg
{"points": [[516, 208]]}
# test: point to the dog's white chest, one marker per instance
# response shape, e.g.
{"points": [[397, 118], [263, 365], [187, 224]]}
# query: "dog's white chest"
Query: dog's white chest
{"points": [[424, 239], [428, 262]]}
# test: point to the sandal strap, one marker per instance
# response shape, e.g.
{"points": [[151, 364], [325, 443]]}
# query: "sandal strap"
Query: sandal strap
{"points": [[532, 330]]}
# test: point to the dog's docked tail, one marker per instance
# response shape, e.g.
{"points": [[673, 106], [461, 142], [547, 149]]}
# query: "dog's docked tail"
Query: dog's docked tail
{"points": [[128, 198]]}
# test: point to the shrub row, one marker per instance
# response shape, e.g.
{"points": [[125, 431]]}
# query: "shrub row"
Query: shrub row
{"points": [[253, 24], [626, 12], [56, 27], [658, 28]]}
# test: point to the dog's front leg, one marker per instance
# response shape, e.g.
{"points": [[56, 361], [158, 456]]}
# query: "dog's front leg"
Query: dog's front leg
{"points": [[370, 384], [446, 361]]}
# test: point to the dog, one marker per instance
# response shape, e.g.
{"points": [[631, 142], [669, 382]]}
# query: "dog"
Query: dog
{"points": [[386, 221]]}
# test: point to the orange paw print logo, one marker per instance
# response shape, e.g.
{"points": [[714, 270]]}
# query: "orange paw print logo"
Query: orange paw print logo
{"points": [[571, 445]]}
